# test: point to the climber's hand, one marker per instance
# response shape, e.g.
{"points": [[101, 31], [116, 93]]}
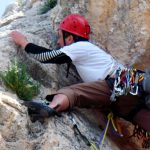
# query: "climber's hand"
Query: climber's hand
{"points": [[19, 38]]}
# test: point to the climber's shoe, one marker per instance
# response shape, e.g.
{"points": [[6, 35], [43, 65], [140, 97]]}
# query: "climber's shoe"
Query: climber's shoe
{"points": [[37, 117], [40, 109]]}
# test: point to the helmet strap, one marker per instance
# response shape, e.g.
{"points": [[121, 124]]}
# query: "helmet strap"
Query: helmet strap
{"points": [[64, 37]]}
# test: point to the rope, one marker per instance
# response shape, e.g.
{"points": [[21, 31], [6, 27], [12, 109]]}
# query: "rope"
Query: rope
{"points": [[106, 129], [99, 146]]}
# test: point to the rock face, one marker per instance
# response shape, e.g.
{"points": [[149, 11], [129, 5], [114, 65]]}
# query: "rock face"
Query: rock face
{"points": [[121, 27]]}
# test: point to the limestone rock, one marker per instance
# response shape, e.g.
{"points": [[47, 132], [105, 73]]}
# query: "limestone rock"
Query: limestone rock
{"points": [[121, 27]]}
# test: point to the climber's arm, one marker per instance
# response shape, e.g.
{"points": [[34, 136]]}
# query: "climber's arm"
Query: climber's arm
{"points": [[45, 55], [40, 53]]}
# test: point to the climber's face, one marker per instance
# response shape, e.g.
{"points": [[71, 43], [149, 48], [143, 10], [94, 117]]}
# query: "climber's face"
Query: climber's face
{"points": [[68, 40]]}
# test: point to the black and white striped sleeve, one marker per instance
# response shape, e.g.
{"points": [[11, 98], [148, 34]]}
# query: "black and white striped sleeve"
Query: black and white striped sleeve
{"points": [[46, 55]]}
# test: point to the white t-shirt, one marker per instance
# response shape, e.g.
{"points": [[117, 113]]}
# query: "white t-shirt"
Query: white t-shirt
{"points": [[92, 63]]}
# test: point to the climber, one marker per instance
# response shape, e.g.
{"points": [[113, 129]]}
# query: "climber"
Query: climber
{"points": [[91, 62], [96, 68]]}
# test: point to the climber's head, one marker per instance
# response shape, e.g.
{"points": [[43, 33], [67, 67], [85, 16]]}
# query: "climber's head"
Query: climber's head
{"points": [[73, 28]]}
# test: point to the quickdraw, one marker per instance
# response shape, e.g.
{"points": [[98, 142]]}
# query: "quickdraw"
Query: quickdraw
{"points": [[99, 144], [77, 131], [127, 81]]}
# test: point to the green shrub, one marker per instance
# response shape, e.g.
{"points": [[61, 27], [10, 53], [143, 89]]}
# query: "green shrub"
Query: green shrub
{"points": [[48, 5], [18, 80]]}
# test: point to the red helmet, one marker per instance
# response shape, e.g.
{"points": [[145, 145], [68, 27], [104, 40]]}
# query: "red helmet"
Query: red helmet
{"points": [[76, 24]]}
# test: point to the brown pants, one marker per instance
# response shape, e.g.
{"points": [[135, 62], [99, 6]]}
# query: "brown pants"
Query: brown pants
{"points": [[98, 93]]}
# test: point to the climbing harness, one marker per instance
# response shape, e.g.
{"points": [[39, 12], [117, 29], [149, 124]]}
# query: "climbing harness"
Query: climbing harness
{"points": [[134, 82], [127, 80], [131, 81]]}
